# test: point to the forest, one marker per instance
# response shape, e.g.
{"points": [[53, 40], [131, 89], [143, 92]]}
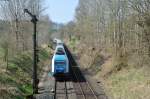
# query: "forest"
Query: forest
{"points": [[16, 46], [110, 37]]}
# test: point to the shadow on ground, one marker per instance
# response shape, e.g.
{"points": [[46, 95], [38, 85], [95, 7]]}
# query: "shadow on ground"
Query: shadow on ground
{"points": [[75, 71]]}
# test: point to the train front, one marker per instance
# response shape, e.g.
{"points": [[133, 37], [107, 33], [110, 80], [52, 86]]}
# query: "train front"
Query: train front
{"points": [[60, 62]]}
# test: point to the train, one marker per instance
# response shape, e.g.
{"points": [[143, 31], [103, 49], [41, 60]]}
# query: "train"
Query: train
{"points": [[60, 62]]}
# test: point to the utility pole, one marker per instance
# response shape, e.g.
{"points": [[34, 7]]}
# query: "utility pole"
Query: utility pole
{"points": [[35, 80]]}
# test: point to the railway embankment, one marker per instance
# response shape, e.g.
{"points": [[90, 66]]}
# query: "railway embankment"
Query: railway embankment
{"points": [[96, 73], [16, 79], [125, 78], [86, 86]]}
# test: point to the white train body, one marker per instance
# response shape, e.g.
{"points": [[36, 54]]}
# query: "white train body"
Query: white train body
{"points": [[60, 63]]}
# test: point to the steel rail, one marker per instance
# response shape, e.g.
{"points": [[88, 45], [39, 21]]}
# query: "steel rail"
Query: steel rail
{"points": [[89, 86], [55, 89], [79, 84], [65, 89], [91, 89]]}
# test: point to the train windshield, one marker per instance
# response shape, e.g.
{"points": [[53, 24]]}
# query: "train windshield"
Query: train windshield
{"points": [[60, 51]]}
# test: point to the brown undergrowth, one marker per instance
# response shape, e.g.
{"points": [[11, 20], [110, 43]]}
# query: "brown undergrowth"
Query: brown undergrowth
{"points": [[123, 78]]}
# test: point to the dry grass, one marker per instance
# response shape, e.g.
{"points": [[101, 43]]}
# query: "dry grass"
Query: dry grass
{"points": [[130, 83], [87, 56]]}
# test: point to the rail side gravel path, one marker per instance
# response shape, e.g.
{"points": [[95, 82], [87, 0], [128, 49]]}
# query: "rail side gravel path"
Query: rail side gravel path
{"points": [[45, 86], [61, 90], [64, 88]]}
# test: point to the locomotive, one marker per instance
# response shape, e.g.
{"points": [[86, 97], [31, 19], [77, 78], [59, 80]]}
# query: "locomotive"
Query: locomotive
{"points": [[60, 63]]}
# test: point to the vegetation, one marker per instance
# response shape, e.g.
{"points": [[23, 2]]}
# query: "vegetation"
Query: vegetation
{"points": [[130, 83], [17, 79], [113, 38], [16, 47]]}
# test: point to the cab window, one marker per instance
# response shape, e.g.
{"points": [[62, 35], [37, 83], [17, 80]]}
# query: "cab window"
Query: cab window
{"points": [[60, 51]]}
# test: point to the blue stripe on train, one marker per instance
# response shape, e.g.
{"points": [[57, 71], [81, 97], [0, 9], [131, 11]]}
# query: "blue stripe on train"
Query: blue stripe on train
{"points": [[60, 70]]}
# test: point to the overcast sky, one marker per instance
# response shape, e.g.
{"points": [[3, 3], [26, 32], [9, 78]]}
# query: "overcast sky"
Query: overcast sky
{"points": [[61, 11]]}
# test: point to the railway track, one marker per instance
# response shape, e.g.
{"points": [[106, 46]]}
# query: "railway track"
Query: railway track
{"points": [[82, 87], [60, 89]]}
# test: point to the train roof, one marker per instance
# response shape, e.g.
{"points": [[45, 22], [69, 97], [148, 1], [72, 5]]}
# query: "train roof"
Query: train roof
{"points": [[59, 46]]}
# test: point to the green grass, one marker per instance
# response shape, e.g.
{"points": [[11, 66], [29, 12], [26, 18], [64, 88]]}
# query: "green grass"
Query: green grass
{"points": [[13, 67], [6, 79], [26, 89], [130, 83], [20, 72], [43, 54], [73, 43]]}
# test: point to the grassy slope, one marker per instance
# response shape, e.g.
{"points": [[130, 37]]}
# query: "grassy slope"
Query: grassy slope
{"points": [[16, 82], [133, 83], [128, 83]]}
